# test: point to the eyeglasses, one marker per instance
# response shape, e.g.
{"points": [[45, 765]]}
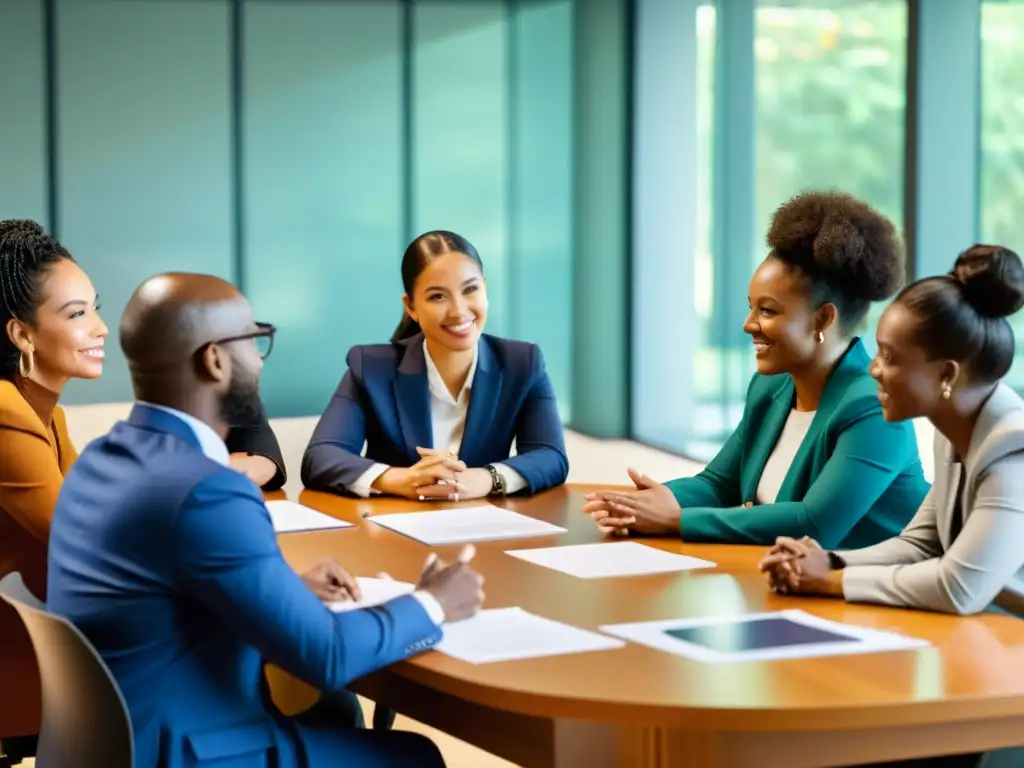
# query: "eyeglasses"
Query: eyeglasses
{"points": [[263, 336]]}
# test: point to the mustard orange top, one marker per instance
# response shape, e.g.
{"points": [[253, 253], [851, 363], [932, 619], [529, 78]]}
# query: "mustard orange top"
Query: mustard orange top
{"points": [[35, 454]]}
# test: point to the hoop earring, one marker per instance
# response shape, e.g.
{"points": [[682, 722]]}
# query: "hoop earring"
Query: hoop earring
{"points": [[947, 390], [24, 370], [821, 337]]}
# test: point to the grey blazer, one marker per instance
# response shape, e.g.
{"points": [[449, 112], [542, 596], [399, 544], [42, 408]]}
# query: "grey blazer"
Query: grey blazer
{"points": [[923, 567]]}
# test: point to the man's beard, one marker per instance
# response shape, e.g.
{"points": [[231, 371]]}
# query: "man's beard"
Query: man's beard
{"points": [[242, 406]]}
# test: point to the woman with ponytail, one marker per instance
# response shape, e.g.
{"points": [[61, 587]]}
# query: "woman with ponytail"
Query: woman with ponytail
{"points": [[440, 406]]}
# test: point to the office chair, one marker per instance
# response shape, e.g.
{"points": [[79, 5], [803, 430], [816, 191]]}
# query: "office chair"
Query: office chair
{"points": [[13, 750], [85, 720]]}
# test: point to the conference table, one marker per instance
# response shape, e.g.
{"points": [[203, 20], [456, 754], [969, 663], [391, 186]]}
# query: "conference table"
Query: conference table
{"points": [[637, 706]]}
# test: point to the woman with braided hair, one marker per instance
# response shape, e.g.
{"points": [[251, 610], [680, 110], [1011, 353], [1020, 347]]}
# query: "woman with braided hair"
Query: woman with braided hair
{"points": [[50, 332]]}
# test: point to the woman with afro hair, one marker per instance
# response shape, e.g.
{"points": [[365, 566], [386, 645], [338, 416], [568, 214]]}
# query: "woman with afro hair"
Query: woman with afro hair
{"points": [[813, 455]]}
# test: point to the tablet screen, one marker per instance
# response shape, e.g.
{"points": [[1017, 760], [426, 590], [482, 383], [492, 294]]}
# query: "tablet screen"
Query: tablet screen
{"points": [[756, 635]]}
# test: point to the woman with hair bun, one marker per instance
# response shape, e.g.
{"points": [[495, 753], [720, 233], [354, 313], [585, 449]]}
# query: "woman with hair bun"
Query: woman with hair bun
{"points": [[944, 346], [812, 455]]}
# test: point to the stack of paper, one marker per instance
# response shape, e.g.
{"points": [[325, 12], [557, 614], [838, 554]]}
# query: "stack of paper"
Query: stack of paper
{"points": [[599, 561], [375, 592], [506, 634], [790, 634], [289, 517], [465, 524]]}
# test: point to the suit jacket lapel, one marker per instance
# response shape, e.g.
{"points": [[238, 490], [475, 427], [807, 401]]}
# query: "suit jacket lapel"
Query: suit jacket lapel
{"points": [[850, 366], [483, 400], [412, 398], [766, 438], [946, 486]]}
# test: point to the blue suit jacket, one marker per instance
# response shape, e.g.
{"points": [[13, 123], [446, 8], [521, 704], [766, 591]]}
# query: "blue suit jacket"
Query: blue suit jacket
{"points": [[169, 564], [384, 400]]}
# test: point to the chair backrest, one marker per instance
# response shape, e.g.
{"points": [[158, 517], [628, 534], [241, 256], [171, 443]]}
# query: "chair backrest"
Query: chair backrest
{"points": [[85, 720], [12, 585]]}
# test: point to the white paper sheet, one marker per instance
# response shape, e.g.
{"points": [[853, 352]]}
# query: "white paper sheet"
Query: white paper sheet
{"points": [[465, 524], [289, 517], [507, 634], [857, 639], [375, 592], [599, 561]]}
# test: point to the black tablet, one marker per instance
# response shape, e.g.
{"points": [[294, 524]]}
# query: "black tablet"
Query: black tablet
{"points": [[760, 634]]}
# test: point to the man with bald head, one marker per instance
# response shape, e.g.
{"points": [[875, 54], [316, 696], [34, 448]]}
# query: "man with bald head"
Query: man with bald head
{"points": [[167, 560], [161, 318]]}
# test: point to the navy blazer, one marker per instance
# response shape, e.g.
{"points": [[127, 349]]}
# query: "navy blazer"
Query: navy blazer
{"points": [[168, 562], [384, 401]]}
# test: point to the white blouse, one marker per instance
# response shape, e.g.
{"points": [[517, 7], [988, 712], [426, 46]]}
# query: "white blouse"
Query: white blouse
{"points": [[781, 460]]}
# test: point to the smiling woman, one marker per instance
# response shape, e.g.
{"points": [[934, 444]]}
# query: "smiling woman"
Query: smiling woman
{"points": [[944, 348], [51, 332], [812, 455], [440, 406]]}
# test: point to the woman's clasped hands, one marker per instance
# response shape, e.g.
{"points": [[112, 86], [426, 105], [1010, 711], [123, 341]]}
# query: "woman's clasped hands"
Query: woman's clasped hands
{"points": [[437, 476], [433, 477], [800, 566], [651, 509]]}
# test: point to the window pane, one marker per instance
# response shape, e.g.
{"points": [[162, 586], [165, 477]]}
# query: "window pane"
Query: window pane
{"points": [[460, 132], [144, 151], [23, 136], [712, 419], [1002, 142], [540, 213], [671, 267], [831, 96], [323, 186], [830, 81]]}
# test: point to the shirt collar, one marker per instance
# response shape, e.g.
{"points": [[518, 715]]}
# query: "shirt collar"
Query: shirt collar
{"points": [[436, 384], [209, 441]]}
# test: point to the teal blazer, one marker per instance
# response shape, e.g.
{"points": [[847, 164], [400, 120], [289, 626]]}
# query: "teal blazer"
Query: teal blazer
{"points": [[856, 479]]}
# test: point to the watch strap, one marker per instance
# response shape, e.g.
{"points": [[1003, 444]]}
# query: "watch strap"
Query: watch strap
{"points": [[497, 481], [835, 561]]}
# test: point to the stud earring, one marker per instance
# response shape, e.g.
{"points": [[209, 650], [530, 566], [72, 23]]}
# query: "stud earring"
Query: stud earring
{"points": [[821, 337], [947, 390]]}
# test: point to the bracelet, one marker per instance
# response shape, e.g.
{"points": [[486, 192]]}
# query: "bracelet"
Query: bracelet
{"points": [[497, 481]]}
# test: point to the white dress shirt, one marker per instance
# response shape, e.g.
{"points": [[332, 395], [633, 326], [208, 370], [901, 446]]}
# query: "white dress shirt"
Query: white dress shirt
{"points": [[448, 421], [778, 464], [214, 448]]}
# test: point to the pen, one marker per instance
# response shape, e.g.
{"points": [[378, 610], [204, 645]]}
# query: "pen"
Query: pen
{"points": [[337, 583]]}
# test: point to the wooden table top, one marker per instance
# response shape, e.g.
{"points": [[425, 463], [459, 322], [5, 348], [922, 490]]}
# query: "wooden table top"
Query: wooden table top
{"points": [[974, 668]]}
